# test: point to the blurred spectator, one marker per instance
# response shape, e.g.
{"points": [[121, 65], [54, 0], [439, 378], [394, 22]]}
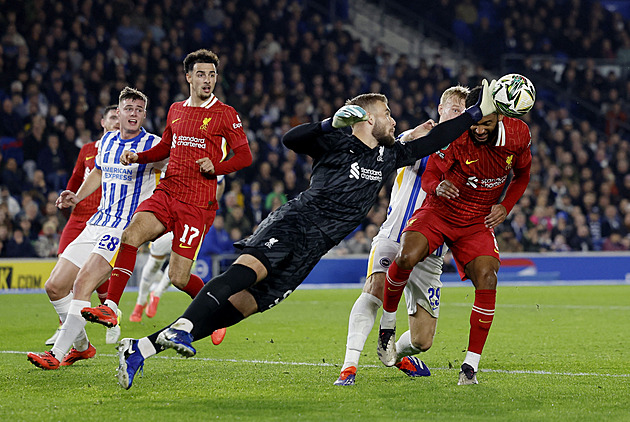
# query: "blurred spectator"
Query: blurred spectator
{"points": [[47, 242], [13, 206], [236, 218], [19, 247], [277, 194]]}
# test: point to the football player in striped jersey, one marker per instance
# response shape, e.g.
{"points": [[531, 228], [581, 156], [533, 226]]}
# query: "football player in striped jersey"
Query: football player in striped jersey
{"points": [[86, 261]]}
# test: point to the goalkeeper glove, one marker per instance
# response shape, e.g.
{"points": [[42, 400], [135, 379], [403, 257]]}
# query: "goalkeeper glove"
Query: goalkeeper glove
{"points": [[485, 103], [348, 115]]}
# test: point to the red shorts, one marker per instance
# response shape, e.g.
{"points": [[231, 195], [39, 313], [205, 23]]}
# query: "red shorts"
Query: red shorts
{"points": [[188, 223], [466, 242], [72, 229]]}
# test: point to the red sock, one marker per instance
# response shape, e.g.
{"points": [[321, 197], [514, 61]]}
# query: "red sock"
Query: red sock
{"points": [[101, 291], [195, 284], [481, 319], [123, 268], [395, 283]]}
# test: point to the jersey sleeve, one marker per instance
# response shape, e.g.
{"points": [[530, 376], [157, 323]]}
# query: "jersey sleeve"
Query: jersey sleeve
{"points": [[306, 139], [232, 131], [78, 172], [439, 137], [432, 175]]}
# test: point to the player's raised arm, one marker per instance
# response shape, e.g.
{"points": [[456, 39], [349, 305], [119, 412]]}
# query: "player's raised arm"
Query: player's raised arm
{"points": [[446, 132]]}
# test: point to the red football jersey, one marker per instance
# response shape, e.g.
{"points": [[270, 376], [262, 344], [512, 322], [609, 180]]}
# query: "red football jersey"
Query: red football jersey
{"points": [[480, 170], [84, 165], [210, 130]]}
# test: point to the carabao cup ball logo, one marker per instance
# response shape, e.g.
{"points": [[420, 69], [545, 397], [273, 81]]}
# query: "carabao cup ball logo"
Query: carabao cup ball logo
{"points": [[514, 95], [385, 262]]}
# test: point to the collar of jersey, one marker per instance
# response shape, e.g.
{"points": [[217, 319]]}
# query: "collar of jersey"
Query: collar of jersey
{"points": [[135, 138], [206, 104]]}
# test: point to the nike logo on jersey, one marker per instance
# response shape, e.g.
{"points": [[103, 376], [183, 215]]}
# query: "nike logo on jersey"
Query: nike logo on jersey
{"points": [[496, 250], [176, 120], [181, 245], [468, 162], [89, 156], [485, 322]]}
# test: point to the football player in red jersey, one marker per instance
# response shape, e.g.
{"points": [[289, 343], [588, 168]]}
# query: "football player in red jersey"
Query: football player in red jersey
{"points": [[82, 212], [464, 183], [200, 132]]}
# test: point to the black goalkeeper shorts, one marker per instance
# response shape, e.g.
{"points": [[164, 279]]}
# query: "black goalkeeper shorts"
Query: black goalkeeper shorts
{"points": [[293, 246]]}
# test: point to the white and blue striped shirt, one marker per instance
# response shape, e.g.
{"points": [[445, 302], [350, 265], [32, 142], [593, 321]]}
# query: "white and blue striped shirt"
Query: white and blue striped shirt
{"points": [[407, 196], [124, 187]]}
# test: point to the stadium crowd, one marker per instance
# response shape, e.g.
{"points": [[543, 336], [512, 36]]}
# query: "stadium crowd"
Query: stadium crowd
{"points": [[282, 64]]}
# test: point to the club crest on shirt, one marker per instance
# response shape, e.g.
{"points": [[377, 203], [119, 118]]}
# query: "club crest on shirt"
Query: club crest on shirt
{"points": [[509, 162], [204, 125], [381, 150], [271, 242]]}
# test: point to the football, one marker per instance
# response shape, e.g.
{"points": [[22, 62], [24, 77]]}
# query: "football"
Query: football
{"points": [[514, 95]]}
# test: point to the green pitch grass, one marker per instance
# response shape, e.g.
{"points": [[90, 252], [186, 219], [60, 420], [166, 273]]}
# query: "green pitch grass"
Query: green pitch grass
{"points": [[554, 353]]}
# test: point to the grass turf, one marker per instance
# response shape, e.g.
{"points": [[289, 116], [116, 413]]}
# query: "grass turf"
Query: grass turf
{"points": [[554, 353]]}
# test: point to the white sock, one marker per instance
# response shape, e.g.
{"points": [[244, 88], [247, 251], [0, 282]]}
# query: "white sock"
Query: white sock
{"points": [[150, 272], [72, 331], [111, 305], [161, 287], [388, 320], [473, 359], [146, 348], [404, 347], [360, 323], [62, 306], [183, 324]]}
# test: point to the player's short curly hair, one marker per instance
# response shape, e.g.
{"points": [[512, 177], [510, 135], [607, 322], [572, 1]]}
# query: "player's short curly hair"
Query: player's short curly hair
{"points": [[200, 56], [133, 94], [366, 100]]}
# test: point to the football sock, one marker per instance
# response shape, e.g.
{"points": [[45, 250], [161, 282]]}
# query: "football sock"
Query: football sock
{"points": [[227, 316], [481, 319], [149, 274], [394, 286], [62, 306], [147, 348], [72, 331], [360, 323], [472, 359], [101, 291], [404, 347], [112, 305], [388, 320], [217, 291], [194, 286], [123, 268], [165, 281]]}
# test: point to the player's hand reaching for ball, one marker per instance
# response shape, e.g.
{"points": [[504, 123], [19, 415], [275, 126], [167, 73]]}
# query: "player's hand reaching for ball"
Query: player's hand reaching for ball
{"points": [[485, 103], [447, 189], [419, 131], [128, 157], [348, 115], [205, 165], [497, 215]]}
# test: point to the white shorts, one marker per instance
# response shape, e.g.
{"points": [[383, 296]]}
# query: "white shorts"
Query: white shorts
{"points": [[162, 245], [424, 286], [100, 240]]}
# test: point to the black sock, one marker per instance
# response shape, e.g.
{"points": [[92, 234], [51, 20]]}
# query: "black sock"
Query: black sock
{"points": [[216, 293], [225, 317]]}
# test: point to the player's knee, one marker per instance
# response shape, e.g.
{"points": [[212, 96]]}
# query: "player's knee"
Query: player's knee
{"points": [[487, 278], [407, 259], [422, 343]]}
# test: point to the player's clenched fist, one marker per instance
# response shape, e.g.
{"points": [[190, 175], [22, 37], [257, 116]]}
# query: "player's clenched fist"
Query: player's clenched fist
{"points": [[128, 157], [349, 115]]}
